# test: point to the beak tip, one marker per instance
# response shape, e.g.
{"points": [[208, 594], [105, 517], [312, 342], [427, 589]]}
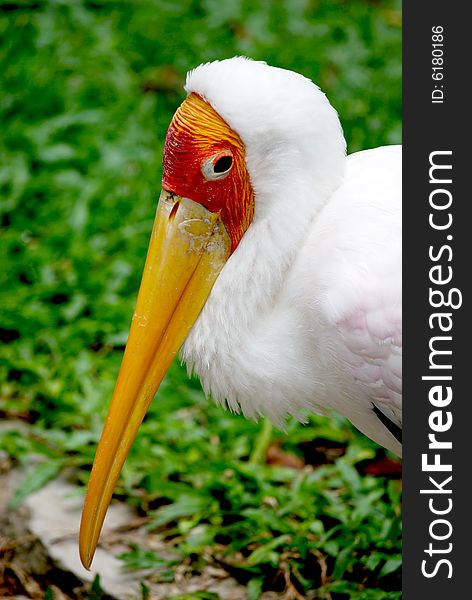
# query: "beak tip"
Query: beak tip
{"points": [[86, 553], [86, 560]]}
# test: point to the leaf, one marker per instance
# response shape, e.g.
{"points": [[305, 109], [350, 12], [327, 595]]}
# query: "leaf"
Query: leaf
{"points": [[185, 506], [96, 590], [391, 565], [139, 558], [254, 588], [373, 560], [263, 553], [342, 562], [34, 480]]}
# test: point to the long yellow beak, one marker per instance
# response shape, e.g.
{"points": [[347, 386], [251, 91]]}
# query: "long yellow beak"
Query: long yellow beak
{"points": [[189, 246]]}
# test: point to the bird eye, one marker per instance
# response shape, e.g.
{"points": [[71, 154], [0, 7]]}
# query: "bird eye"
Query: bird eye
{"points": [[217, 166]]}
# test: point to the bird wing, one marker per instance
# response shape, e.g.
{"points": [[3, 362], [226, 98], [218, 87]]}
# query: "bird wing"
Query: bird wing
{"points": [[351, 274], [370, 343]]}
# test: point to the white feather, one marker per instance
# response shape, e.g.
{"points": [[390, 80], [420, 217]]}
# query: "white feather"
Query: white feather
{"points": [[306, 314]]}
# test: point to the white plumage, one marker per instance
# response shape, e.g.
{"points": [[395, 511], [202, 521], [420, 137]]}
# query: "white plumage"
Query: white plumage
{"points": [[288, 296], [306, 313]]}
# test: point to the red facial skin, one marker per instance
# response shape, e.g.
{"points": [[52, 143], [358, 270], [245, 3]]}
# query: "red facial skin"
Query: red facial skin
{"points": [[196, 134]]}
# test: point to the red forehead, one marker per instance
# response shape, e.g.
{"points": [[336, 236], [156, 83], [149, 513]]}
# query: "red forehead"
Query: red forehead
{"points": [[182, 172], [196, 134]]}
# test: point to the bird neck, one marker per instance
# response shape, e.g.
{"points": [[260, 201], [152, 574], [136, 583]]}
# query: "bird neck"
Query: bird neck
{"points": [[251, 283], [247, 321], [283, 219]]}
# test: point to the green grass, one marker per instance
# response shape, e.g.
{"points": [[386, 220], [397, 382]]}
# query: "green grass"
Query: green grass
{"points": [[87, 92]]}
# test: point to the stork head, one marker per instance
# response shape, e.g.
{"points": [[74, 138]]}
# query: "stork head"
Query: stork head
{"points": [[244, 132]]}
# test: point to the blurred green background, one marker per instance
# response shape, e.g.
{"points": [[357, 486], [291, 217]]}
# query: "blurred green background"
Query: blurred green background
{"points": [[87, 90]]}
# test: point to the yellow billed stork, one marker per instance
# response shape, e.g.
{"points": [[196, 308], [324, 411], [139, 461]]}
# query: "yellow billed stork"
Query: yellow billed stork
{"points": [[275, 260]]}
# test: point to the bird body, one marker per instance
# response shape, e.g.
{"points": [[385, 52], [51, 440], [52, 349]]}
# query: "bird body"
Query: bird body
{"points": [[306, 313], [328, 335], [274, 262]]}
